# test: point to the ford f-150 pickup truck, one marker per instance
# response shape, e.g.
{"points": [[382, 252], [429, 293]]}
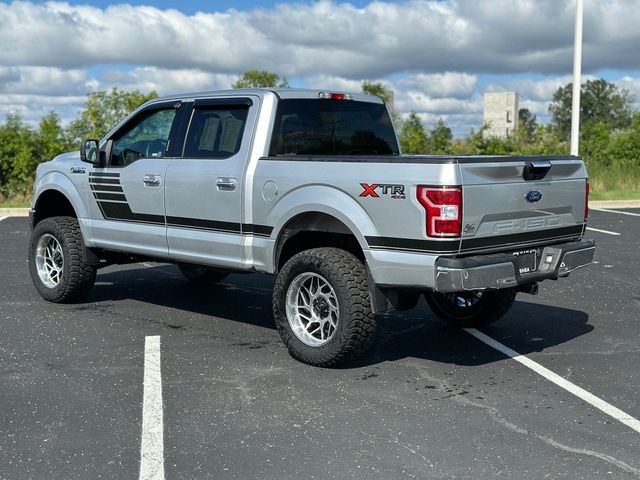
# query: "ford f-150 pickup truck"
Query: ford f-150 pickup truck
{"points": [[309, 186]]}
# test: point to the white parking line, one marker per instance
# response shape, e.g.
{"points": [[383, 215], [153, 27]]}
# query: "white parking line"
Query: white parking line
{"points": [[581, 393], [603, 231], [615, 211], [152, 449], [2, 218]]}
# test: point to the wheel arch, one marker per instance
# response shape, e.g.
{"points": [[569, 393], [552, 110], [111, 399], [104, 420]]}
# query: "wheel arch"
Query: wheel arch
{"points": [[313, 229], [56, 195], [331, 216], [52, 203]]}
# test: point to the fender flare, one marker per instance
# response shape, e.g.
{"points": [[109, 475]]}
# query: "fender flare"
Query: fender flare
{"points": [[330, 201], [62, 184]]}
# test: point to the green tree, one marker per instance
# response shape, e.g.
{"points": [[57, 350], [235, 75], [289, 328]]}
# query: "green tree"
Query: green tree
{"points": [[379, 90], [527, 124], [412, 135], [600, 102], [102, 111], [17, 156], [260, 79], [440, 138], [50, 138], [624, 147]]}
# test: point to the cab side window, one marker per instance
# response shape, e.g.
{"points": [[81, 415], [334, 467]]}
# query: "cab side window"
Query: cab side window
{"points": [[215, 132], [145, 137]]}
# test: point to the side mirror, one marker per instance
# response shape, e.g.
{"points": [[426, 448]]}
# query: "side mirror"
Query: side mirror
{"points": [[90, 152]]}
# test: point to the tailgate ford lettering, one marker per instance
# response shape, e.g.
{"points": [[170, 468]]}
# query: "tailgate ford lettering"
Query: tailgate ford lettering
{"points": [[527, 224]]}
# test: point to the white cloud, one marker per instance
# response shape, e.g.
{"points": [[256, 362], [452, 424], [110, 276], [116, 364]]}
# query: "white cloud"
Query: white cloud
{"points": [[32, 107], [632, 84], [165, 81], [432, 54], [448, 84], [421, 102], [530, 88], [34, 91], [304, 39], [340, 84], [45, 80]]}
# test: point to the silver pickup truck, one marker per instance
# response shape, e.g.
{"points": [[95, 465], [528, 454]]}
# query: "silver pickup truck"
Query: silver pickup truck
{"points": [[309, 186]]}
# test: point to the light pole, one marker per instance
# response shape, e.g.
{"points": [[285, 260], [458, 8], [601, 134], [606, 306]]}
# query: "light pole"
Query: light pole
{"points": [[577, 67]]}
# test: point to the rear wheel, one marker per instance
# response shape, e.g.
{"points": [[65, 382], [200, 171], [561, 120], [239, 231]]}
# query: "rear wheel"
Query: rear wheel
{"points": [[200, 274], [322, 308], [471, 309], [56, 261]]}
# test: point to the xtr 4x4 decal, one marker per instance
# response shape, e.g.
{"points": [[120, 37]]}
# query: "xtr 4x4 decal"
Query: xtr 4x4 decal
{"points": [[393, 190]]}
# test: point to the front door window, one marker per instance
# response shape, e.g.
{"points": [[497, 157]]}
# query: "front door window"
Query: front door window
{"points": [[146, 137]]}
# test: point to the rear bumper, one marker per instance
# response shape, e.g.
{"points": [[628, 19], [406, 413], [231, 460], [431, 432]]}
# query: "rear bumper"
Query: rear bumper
{"points": [[500, 270]]}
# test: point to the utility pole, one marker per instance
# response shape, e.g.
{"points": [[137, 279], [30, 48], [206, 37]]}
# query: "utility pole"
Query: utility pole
{"points": [[577, 80]]}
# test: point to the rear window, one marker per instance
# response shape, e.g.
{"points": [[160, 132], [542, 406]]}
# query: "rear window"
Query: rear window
{"points": [[332, 127]]}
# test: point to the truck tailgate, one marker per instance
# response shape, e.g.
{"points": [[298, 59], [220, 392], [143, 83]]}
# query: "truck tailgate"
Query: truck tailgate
{"points": [[521, 201]]}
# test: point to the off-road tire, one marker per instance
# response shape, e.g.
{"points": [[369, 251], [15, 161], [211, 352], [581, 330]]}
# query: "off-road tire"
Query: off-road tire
{"points": [[77, 277], [356, 328], [490, 307], [202, 275]]}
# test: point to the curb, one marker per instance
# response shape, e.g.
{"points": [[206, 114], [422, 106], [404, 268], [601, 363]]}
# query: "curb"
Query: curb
{"points": [[614, 203], [14, 212]]}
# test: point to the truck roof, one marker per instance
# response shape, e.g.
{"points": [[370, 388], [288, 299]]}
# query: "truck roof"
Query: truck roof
{"points": [[261, 92]]}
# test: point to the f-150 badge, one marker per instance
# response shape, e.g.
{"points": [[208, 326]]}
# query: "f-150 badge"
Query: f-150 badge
{"points": [[376, 189]]}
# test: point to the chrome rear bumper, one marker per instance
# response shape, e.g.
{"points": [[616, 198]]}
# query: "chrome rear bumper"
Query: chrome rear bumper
{"points": [[500, 270]]}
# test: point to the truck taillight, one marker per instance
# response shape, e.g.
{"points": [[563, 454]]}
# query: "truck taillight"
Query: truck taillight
{"points": [[444, 210], [335, 96], [586, 200]]}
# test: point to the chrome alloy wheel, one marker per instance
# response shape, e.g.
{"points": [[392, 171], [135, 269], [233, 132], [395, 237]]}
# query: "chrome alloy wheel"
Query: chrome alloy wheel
{"points": [[312, 309], [49, 260]]}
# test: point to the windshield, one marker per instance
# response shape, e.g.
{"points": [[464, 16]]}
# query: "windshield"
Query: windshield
{"points": [[332, 127]]}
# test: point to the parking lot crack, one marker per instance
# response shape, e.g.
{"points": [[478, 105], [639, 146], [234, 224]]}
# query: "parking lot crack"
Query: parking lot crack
{"points": [[499, 419], [409, 449]]}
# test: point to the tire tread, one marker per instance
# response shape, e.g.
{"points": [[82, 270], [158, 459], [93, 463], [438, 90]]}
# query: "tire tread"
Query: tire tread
{"points": [[78, 277], [361, 333]]}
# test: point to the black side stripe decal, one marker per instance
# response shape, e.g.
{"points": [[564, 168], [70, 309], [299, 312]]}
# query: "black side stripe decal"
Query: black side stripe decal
{"points": [[257, 230], [104, 174], [114, 207], [203, 224], [469, 245], [110, 196], [104, 181], [219, 226], [112, 202], [106, 188], [407, 244], [122, 211]]}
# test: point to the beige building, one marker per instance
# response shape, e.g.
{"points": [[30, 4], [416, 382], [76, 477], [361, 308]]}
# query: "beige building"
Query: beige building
{"points": [[500, 113]]}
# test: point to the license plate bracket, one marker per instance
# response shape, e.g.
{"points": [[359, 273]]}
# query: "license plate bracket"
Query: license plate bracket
{"points": [[527, 261]]}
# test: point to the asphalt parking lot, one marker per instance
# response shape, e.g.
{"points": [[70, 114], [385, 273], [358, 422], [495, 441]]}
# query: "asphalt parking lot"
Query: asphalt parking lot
{"points": [[430, 401]]}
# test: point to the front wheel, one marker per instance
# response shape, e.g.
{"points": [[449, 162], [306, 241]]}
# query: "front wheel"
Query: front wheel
{"points": [[322, 307], [56, 261], [471, 309]]}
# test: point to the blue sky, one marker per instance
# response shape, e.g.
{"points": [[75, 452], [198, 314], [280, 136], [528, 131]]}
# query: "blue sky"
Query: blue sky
{"points": [[438, 56]]}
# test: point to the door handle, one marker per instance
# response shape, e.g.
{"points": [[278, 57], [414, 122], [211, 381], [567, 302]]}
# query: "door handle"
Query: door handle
{"points": [[151, 180], [227, 183]]}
